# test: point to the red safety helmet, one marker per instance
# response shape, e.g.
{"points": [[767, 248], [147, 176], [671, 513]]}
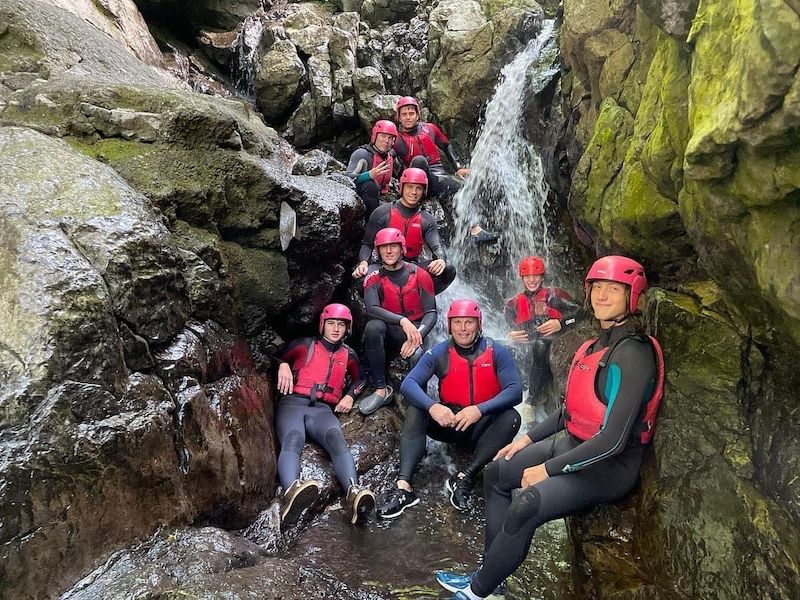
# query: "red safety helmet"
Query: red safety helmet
{"points": [[405, 101], [531, 265], [390, 235], [336, 311], [383, 126], [465, 308], [414, 175], [622, 270]]}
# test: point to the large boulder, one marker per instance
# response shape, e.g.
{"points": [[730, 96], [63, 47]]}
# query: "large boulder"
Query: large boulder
{"points": [[278, 80], [93, 453], [467, 49], [700, 183]]}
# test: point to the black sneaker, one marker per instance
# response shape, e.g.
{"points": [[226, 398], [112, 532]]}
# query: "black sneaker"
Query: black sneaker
{"points": [[483, 237], [298, 497], [397, 504], [460, 489]]}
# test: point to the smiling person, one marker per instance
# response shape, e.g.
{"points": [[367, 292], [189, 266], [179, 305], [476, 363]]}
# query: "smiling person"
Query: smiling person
{"points": [[536, 315], [479, 385], [401, 305], [371, 165], [614, 388], [319, 377], [417, 226], [420, 145]]}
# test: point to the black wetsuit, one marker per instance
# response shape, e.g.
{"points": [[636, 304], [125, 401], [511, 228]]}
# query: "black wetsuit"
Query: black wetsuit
{"points": [[536, 353], [430, 232], [383, 335], [367, 188], [297, 415], [581, 474], [497, 426]]}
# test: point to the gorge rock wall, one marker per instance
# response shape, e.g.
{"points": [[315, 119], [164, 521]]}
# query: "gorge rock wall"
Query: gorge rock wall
{"points": [[686, 115]]}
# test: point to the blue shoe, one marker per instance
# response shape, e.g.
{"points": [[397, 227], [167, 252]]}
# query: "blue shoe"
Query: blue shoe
{"points": [[452, 581], [459, 596]]}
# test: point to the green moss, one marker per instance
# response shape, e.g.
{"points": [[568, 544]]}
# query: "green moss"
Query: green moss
{"points": [[112, 150]]}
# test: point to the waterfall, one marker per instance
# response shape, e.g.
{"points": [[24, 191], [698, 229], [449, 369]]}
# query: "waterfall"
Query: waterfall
{"points": [[245, 64], [506, 190]]}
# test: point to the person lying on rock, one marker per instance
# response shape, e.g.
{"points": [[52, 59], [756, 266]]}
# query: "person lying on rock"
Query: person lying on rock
{"points": [[479, 385], [319, 377], [371, 165], [535, 315], [401, 305], [613, 392], [418, 227], [419, 145]]}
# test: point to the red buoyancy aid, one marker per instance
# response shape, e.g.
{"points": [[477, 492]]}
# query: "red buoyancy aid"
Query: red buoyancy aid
{"points": [[406, 301], [586, 412], [384, 180], [411, 228], [323, 374], [528, 311], [421, 143], [469, 382]]}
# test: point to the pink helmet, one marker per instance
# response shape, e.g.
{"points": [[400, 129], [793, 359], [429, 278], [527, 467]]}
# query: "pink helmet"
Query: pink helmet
{"points": [[531, 265], [465, 308], [622, 270], [336, 311], [405, 101], [383, 126], [390, 235], [414, 175]]}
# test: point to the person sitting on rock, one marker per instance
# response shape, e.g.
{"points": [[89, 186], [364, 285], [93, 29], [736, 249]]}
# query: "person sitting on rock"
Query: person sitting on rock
{"points": [[418, 227], [401, 305], [371, 165], [479, 385], [535, 315], [319, 377], [614, 388], [420, 145]]}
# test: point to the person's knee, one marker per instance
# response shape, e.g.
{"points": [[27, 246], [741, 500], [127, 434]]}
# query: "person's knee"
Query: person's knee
{"points": [[293, 442], [335, 443], [540, 348], [375, 330], [419, 162], [523, 508], [511, 420], [491, 475]]}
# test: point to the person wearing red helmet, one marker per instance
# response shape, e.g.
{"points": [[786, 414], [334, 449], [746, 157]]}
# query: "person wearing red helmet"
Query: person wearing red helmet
{"points": [[419, 229], [371, 165], [535, 315], [401, 305], [319, 377], [419, 144], [614, 388], [479, 385]]}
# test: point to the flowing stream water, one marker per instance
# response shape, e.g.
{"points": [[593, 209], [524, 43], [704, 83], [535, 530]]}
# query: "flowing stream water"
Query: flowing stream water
{"points": [[398, 558]]}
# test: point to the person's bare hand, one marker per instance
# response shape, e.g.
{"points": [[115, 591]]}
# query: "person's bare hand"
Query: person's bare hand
{"points": [[285, 379], [533, 475], [549, 327], [437, 267], [463, 172], [360, 270], [518, 337], [442, 415], [408, 348], [379, 169], [511, 449], [467, 417], [344, 405], [411, 331]]}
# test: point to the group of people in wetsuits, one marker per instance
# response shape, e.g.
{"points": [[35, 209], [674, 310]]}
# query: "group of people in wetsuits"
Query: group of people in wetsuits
{"points": [[613, 389]]}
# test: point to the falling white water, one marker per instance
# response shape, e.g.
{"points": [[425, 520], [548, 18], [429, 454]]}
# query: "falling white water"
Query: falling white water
{"points": [[506, 190], [247, 44]]}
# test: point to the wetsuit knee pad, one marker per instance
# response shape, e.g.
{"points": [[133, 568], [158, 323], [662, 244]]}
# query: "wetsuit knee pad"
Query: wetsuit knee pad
{"points": [[491, 474], [419, 162], [375, 328], [524, 507], [294, 442], [334, 441]]}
